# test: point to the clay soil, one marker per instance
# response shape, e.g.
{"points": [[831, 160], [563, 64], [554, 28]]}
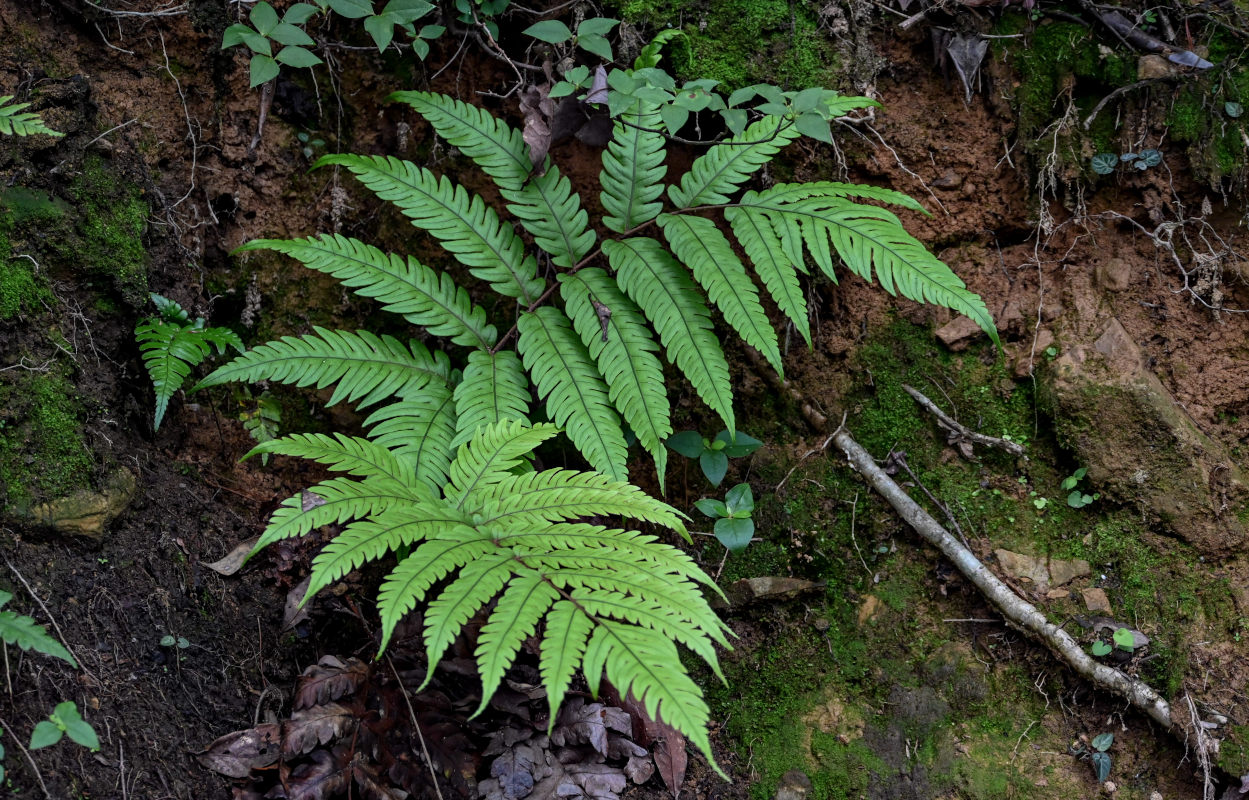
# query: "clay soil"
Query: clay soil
{"points": [[156, 98]]}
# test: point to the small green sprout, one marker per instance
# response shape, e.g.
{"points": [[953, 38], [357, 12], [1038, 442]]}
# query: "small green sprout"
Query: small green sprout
{"points": [[64, 721], [713, 454], [734, 527]]}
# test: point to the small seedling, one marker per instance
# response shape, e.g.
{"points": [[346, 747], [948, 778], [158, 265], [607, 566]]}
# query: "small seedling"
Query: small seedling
{"points": [[734, 527], [1077, 498], [64, 721], [1233, 109], [713, 454], [168, 640], [309, 145], [1101, 760], [1100, 648], [1107, 163]]}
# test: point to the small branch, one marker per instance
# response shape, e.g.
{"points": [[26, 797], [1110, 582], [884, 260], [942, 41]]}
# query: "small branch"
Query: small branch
{"points": [[59, 634], [1131, 87], [429, 762], [953, 425], [34, 767]]}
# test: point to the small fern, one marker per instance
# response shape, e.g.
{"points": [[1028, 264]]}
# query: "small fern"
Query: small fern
{"points": [[171, 345], [16, 122], [444, 473], [27, 634]]}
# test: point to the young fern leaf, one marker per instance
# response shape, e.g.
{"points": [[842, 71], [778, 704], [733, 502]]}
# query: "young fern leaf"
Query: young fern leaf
{"points": [[494, 388], [476, 585], [341, 453], [419, 430], [492, 454], [404, 286], [773, 265], [788, 192], [340, 499], [587, 537], [365, 368], [614, 331], [865, 237], [515, 618], [568, 630], [718, 172], [16, 122], [661, 287], [700, 245], [544, 203], [633, 168], [171, 347], [462, 223], [576, 396], [27, 634]]}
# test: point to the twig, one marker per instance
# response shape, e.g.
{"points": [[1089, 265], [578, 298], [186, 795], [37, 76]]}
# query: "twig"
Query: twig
{"points": [[1116, 93], [429, 762], [854, 509], [985, 621], [951, 424], [25, 752], [1203, 749], [162, 12], [805, 456]]}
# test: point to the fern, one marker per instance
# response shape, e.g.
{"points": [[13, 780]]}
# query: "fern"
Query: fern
{"points": [[27, 634], [171, 345], [16, 122], [446, 471]]}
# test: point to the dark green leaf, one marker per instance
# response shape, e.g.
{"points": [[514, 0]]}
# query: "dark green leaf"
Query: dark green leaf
{"points": [[551, 31], [687, 443], [1100, 649], [596, 26], [407, 10], [286, 33], [1101, 764], [735, 534], [1233, 109], [714, 464], [813, 125], [1103, 741], [1150, 158], [432, 31], [674, 118], [735, 119], [236, 34], [299, 13], [263, 69], [1105, 163], [595, 44], [45, 734], [264, 18], [421, 48], [712, 507], [740, 499], [298, 57], [743, 445], [382, 29], [352, 9], [77, 728]]}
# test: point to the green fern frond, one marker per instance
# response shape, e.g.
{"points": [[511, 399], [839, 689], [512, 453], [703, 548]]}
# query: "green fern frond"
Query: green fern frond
{"points": [[492, 453], [494, 389], [27, 634], [788, 192], [170, 349], [866, 237], [576, 395], [370, 539], [633, 168], [339, 500], [661, 287], [421, 431], [649, 667], [773, 265], [514, 619], [16, 122], [545, 203], [475, 586], [648, 613], [404, 286], [563, 644], [365, 368], [342, 453], [718, 172], [557, 494], [615, 333], [700, 245], [461, 222]]}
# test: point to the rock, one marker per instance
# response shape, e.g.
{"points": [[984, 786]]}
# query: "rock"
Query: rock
{"points": [[795, 785], [959, 334], [748, 590], [949, 179], [1096, 600], [1044, 573], [1031, 355], [1062, 572], [869, 609], [1153, 66], [1141, 449], [1114, 274], [88, 513]]}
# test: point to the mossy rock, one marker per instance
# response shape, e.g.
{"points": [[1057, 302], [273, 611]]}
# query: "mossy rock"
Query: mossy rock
{"points": [[42, 452]]}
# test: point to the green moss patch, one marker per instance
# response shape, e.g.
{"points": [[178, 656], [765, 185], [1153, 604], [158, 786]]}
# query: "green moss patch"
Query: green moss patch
{"points": [[42, 453]]}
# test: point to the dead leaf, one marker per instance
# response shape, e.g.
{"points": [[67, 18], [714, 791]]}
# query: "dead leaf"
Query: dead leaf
{"points": [[233, 560], [582, 723], [310, 727], [327, 776], [967, 51], [236, 754], [538, 107], [309, 501], [671, 761], [598, 86], [328, 680], [294, 612], [640, 769]]}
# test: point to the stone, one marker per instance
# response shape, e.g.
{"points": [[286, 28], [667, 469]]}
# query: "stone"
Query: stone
{"points": [[950, 179], [1140, 448], [1045, 573], [959, 333], [1065, 571], [1031, 356], [1152, 66], [1113, 274], [89, 513], [1096, 600], [869, 609], [794, 785]]}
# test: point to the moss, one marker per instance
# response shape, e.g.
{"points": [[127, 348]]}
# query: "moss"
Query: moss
{"points": [[741, 42], [42, 453], [1234, 751], [113, 218]]}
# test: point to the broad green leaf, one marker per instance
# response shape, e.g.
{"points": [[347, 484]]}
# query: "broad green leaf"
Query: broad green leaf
{"points": [[263, 69], [551, 31]]}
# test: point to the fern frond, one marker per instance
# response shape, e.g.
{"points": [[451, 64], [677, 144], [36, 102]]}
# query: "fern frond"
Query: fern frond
{"points": [[429, 563], [494, 389], [341, 499], [419, 430], [788, 192], [660, 286], [16, 122], [585, 536], [545, 203], [557, 494], [27, 634], [576, 396], [563, 644], [700, 245], [476, 585], [342, 453], [366, 368], [649, 667], [633, 168], [370, 539], [492, 453], [773, 265], [514, 619], [866, 237], [422, 295], [615, 333], [721, 170], [461, 222], [170, 350]]}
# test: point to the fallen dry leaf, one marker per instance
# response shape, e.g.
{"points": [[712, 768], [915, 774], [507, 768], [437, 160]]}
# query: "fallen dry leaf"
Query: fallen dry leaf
{"points": [[234, 559], [328, 680], [236, 754]]}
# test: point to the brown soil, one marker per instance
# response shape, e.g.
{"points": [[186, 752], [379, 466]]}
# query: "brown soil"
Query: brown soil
{"points": [[158, 99]]}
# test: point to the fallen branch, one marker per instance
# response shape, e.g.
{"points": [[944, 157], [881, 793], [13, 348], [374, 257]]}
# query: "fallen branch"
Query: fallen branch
{"points": [[957, 428], [1017, 611]]}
